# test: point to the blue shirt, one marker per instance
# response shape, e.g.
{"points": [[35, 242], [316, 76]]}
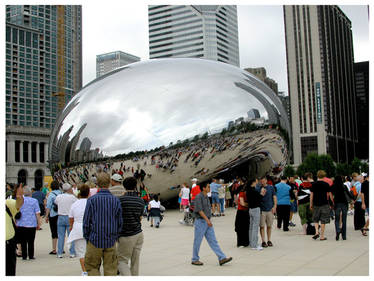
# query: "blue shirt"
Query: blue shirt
{"points": [[283, 193], [28, 212], [267, 202], [357, 184], [51, 199], [38, 195], [214, 187], [102, 220]]}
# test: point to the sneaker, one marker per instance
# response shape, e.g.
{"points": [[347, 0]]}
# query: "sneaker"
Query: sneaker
{"points": [[197, 263], [225, 260], [60, 256], [72, 256], [258, 248], [182, 222], [84, 274]]}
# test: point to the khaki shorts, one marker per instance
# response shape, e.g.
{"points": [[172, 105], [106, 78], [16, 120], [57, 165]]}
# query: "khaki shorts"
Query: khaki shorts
{"points": [[266, 219]]}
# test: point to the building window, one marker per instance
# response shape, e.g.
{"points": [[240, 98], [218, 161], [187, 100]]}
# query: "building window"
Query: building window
{"points": [[41, 152], [308, 145], [17, 151]]}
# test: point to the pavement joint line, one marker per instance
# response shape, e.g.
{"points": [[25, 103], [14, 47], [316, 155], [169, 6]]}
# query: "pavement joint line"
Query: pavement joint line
{"points": [[344, 267], [306, 263]]}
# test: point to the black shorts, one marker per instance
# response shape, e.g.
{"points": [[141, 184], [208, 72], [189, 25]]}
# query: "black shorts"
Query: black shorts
{"points": [[53, 226]]}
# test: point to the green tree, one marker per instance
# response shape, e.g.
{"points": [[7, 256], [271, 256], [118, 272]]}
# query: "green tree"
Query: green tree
{"points": [[223, 132], [326, 163], [196, 138], [356, 165], [289, 171], [343, 169], [302, 169], [314, 162], [364, 167], [310, 164]]}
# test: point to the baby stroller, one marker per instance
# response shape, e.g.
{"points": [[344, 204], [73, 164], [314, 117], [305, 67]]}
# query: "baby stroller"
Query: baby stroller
{"points": [[189, 217]]}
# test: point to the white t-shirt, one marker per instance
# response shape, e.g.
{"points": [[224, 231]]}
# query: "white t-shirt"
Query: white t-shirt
{"points": [[155, 204], [77, 210], [185, 193], [64, 202]]}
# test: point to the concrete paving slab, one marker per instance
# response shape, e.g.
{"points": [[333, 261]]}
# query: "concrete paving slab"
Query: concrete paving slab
{"points": [[167, 252]]}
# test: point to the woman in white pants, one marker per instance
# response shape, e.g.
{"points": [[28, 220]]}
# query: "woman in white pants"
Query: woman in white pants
{"points": [[76, 225]]}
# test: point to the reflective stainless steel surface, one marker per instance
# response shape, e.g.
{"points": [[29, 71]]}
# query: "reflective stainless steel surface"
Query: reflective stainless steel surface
{"points": [[155, 103]]}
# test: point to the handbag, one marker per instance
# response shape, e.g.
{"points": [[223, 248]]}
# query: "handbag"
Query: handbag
{"points": [[18, 216], [348, 195]]}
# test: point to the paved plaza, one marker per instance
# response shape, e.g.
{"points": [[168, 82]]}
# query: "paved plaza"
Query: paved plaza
{"points": [[167, 252]]}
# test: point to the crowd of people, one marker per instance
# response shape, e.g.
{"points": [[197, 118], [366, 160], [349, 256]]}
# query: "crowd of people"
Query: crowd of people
{"points": [[100, 219]]}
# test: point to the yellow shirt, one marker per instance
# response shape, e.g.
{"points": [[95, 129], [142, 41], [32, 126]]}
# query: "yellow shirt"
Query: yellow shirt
{"points": [[11, 203]]}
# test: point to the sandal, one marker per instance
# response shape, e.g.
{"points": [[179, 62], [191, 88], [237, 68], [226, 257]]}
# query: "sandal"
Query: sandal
{"points": [[315, 236], [270, 244], [323, 239]]}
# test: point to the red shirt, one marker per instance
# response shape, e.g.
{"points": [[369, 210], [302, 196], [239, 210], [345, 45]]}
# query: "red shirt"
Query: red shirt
{"points": [[244, 196], [195, 191]]}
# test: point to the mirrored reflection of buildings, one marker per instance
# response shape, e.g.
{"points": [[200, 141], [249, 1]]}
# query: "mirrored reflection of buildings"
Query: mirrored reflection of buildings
{"points": [[74, 149], [319, 48], [33, 61], [194, 31], [260, 73], [110, 61]]}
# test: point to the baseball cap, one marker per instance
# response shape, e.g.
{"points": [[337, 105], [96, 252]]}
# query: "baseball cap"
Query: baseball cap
{"points": [[116, 177], [66, 186]]}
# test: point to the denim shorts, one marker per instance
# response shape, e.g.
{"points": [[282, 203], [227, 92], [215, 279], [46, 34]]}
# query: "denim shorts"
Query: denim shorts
{"points": [[294, 206], [215, 198]]}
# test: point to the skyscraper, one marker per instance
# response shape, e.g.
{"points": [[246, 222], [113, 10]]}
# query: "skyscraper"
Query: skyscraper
{"points": [[361, 70], [43, 72], [194, 31], [107, 62], [321, 81]]}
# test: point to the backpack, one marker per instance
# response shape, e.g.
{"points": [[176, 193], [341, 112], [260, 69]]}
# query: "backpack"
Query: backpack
{"points": [[310, 229], [354, 192], [54, 205]]}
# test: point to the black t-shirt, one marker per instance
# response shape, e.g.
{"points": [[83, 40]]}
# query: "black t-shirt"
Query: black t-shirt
{"points": [[320, 190], [254, 198], [365, 191]]}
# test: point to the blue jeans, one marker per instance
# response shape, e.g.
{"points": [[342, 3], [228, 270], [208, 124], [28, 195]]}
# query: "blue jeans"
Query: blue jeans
{"points": [[343, 208], [202, 229], [222, 205], [62, 228]]}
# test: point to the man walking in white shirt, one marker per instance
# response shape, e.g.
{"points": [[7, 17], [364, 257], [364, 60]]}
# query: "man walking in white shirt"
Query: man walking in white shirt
{"points": [[64, 202]]}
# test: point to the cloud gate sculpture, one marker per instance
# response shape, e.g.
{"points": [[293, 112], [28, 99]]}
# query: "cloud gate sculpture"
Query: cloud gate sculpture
{"points": [[175, 119]]}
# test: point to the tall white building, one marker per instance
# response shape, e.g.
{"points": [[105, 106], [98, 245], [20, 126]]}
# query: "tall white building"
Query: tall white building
{"points": [[194, 31], [107, 62]]}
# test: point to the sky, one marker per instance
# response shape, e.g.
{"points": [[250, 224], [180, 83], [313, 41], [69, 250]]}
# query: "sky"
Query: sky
{"points": [[108, 28]]}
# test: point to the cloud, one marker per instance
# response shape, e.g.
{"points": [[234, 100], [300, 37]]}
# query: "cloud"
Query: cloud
{"points": [[124, 27]]}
